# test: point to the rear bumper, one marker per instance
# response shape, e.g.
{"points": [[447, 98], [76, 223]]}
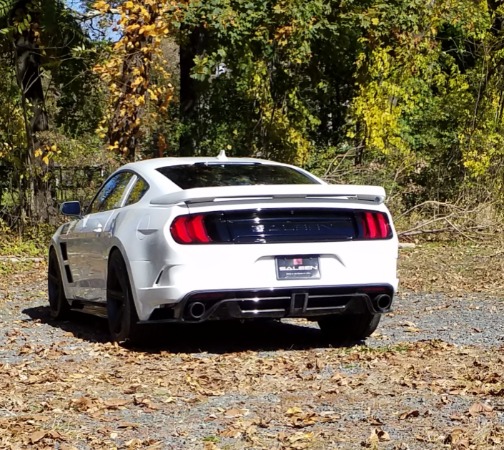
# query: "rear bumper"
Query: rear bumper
{"points": [[303, 302]]}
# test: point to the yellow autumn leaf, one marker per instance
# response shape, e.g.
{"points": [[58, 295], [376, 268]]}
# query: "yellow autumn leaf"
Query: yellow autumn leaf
{"points": [[152, 95], [101, 6], [293, 411], [131, 28], [137, 82], [145, 15], [147, 29]]}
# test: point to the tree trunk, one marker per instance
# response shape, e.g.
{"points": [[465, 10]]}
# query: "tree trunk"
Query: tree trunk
{"points": [[125, 126], [124, 129], [188, 94], [35, 193]]}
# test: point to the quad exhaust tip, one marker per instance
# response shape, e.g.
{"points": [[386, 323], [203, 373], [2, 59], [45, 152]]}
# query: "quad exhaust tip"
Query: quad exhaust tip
{"points": [[382, 303], [196, 310]]}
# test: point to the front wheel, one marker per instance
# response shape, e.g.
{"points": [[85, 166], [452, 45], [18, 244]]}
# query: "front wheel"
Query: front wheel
{"points": [[58, 304], [121, 312], [345, 327]]}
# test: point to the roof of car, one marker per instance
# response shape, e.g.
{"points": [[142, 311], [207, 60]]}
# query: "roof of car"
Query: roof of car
{"points": [[155, 163], [148, 168]]}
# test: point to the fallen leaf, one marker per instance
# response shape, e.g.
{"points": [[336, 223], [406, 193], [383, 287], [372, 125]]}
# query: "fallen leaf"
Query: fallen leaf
{"points": [[375, 421], [378, 435], [37, 436], [409, 414], [235, 412], [457, 438], [478, 408], [127, 425], [115, 403], [412, 330]]}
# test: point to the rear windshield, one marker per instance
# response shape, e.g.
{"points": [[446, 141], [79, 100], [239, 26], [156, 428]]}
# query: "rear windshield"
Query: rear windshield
{"points": [[190, 176]]}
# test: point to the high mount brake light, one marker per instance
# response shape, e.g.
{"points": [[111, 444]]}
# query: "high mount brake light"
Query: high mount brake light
{"points": [[375, 225], [190, 230]]}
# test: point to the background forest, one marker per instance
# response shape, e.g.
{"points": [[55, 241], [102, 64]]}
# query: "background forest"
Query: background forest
{"points": [[408, 94]]}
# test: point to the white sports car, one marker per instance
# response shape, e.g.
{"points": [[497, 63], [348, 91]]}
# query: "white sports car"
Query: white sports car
{"points": [[197, 239]]}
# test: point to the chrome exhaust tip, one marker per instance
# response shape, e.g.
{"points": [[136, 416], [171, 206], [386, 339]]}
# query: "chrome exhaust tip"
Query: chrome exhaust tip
{"points": [[196, 310], [382, 302]]}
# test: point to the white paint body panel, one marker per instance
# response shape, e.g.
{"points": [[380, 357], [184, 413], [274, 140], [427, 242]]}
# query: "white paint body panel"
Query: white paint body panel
{"points": [[163, 272]]}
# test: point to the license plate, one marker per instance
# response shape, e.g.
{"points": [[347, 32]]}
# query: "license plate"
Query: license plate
{"points": [[297, 267]]}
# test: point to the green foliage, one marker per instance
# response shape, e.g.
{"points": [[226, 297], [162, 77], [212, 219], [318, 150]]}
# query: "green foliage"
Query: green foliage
{"points": [[430, 93], [22, 253], [12, 131], [6, 7], [412, 88], [30, 246], [261, 74], [44, 83], [55, 33], [81, 101], [406, 94]]}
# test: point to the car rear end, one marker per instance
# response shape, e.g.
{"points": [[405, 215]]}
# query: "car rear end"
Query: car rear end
{"points": [[272, 252]]}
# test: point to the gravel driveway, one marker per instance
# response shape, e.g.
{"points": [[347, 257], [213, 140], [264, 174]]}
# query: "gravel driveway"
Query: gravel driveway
{"points": [[429, 378]]}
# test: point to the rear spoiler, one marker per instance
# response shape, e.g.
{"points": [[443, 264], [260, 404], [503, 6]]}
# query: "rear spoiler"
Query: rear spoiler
{"points": [[275, 193]]}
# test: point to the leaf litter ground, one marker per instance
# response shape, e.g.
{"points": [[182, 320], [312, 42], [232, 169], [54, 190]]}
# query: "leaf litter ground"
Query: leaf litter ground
{"points": [[429, 378]]}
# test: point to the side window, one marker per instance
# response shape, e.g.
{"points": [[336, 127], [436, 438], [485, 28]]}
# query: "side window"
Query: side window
{"points": [[111, 193], [137, 191]]}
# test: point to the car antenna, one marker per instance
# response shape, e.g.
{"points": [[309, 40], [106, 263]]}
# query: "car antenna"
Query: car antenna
{"points": [[222, 155]]}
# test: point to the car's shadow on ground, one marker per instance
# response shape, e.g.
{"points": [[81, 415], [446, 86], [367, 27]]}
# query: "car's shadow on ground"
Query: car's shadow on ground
{"points": [[82, 326], [212, 337]]}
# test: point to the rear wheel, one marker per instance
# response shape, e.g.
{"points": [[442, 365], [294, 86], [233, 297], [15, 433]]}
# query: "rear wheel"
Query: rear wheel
{"points": [[121, 312], [58, 304], [355, 327]]}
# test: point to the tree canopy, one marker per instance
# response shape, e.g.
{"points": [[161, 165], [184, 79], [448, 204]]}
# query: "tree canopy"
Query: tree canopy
{"points": [[403, 93]]}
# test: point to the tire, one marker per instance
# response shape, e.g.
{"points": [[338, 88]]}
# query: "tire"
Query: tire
{"points": [[349, 328], [121, 313], [58, 304]]}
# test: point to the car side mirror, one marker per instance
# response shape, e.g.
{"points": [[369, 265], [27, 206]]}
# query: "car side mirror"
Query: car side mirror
{"points": [[70, 209]]}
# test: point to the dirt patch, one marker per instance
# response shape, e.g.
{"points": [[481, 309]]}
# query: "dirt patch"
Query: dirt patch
{"points": [[429, 378]]}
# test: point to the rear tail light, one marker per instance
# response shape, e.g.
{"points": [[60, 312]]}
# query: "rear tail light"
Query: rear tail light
{"points": [[214, 228], [190, 229], [376, 225]]}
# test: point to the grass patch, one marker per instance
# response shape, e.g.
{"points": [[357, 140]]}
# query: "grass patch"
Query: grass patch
{"points": [[19, 247]]}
